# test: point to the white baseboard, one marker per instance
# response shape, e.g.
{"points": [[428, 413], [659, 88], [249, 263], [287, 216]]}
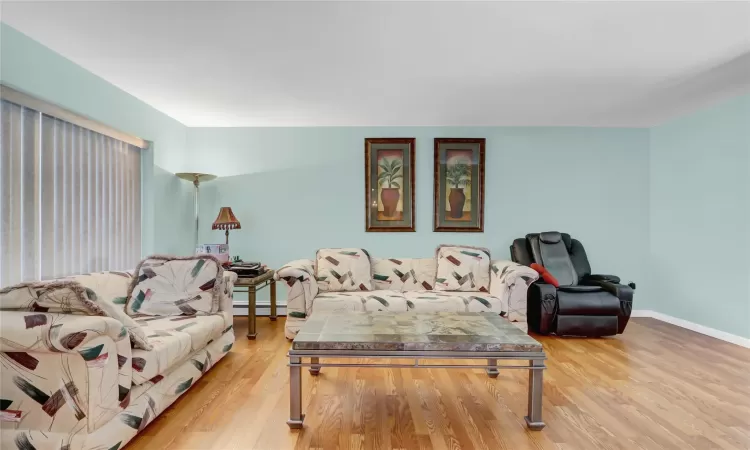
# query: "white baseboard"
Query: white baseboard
{"points": [[240, 309], [692, 326]]}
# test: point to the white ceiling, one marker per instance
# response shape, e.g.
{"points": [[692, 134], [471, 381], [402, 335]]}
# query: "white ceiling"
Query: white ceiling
{"points": [[410, 63]]}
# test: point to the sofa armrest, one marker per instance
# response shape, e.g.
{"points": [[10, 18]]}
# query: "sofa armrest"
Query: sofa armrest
{"points": [[227, 293], [54, 332], [75, 296], [299, 276], [621, 291], [63, 372], [624, 293], [230, 277], [509, 282], [301, 269], [600, 277], [508, 272]]}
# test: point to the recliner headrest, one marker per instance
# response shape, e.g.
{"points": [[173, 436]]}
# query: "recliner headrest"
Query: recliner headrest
{"points": [[550, 237]]}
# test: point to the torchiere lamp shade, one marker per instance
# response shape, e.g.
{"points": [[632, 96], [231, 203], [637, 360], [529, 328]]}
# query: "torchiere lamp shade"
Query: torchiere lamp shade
{"points": [[226, 221]]}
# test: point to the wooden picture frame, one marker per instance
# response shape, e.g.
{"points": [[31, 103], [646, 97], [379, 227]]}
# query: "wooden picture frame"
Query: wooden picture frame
{"points": [[389, 184], [459, 163]]}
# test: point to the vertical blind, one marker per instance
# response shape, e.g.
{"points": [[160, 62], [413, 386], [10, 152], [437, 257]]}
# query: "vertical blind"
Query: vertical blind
{"points": [[70, 199]]}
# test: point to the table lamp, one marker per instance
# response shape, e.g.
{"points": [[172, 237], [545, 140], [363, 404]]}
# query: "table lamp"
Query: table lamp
{"points": [[226, 221]]}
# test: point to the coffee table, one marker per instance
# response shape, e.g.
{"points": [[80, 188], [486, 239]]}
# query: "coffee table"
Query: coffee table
{"points": [[417, 337]]}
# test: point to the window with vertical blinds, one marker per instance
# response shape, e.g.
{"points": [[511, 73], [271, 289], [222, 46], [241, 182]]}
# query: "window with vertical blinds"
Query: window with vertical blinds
{"points": [[70, 198]]}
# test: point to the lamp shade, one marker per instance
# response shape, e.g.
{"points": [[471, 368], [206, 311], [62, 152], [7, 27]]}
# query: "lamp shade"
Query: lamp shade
{"points": [[226, 220]]}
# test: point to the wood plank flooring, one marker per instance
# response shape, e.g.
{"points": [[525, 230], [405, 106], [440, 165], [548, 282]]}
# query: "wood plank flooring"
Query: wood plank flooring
{"points": [[655, 387]]}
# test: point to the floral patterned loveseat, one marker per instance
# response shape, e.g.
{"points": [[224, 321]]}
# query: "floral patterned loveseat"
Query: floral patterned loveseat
{"points": [[404, 284], [77, 372]]}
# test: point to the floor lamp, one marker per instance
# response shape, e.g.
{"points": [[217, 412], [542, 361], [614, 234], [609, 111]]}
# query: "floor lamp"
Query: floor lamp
{"points": [[196, 178]]}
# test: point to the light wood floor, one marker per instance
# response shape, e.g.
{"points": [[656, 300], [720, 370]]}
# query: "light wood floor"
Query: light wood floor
{"points": [[655, 387]]}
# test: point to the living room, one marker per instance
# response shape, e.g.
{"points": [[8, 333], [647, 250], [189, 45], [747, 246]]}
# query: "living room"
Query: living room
{"points": [[409, 300]]}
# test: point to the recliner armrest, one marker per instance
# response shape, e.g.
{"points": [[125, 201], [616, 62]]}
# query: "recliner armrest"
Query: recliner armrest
{"points": [[581, 288], [621, 291], [625, 295], [544, 288], [542, 307], [599, 277]]}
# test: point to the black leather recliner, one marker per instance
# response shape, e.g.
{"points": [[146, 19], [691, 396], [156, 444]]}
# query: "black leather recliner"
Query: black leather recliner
{"points": [[584, 304]]}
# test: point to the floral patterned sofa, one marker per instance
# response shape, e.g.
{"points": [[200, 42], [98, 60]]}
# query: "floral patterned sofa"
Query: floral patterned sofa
{"points": [[404, 284], [79, 373]]}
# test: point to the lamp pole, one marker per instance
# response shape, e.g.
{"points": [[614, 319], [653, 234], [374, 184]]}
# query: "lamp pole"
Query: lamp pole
{"points": [[196, 178]]}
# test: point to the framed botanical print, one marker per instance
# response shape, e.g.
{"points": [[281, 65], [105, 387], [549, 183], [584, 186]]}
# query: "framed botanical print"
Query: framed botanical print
{"points": [[389, 184], [459, 185]]}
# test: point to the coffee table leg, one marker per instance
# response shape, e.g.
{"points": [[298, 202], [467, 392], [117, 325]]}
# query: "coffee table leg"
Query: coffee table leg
{"points": [[492, 372], [534, 419], [295, 394], [314, 370]]}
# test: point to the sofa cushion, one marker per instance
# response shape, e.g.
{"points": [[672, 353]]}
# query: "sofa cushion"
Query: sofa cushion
{"points": [[462, 269], [482, 302], [384, 300], [335, 302], [163, 389], [173, 340], [343, 269], [436, 301], [173, 286], [403, 274]]}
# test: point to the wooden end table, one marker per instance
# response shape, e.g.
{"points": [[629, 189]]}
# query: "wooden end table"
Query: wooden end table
{"points": [[253, 285]]}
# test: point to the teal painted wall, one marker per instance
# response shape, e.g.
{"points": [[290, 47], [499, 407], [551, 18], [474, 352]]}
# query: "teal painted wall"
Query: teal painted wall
{"points": [[34, 69], [298, 189], [700, 217], [174, 214], [667, 207]]}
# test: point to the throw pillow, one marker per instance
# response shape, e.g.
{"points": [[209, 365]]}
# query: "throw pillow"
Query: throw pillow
{"points": [[343, 269], [546, 276], [173, 286], [462, 269], [109, 291]]}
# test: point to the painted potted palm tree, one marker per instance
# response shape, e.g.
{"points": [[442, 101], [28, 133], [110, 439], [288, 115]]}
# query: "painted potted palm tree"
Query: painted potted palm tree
{"points": [[457, 175], [389, 193]]}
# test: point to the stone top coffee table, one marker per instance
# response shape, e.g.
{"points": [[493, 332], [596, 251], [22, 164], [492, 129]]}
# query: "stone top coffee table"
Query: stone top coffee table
{"points": [[415, 336]]}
